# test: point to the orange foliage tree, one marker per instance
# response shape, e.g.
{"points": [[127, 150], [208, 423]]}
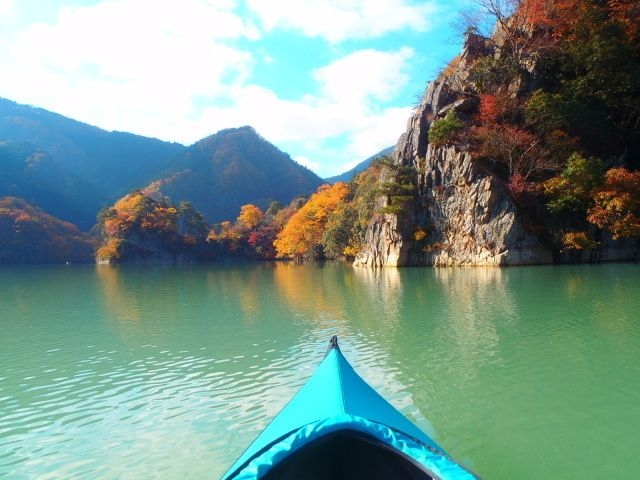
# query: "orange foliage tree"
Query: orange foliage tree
{"points": [[136, 211], [617, 204], [302, 234]]}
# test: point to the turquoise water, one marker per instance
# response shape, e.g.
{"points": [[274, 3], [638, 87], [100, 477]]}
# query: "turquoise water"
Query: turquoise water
{"points": [[168, 372]]}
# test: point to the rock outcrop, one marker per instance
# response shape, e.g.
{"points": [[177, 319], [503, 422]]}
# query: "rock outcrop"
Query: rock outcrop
{"points": [[462, 213], [469, 217]]}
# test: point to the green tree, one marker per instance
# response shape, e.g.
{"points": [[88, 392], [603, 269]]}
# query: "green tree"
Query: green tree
{"points": [[572, 190], [398, 186], [191, 221], [339, 231], [445, 130]]}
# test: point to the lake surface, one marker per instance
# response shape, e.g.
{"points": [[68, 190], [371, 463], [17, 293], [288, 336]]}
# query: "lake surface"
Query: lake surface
{"points": [[169, 372]]}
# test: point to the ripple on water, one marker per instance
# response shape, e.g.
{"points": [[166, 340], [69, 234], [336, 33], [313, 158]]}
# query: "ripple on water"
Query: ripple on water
{"points": [[106, 404], [499, 360]]}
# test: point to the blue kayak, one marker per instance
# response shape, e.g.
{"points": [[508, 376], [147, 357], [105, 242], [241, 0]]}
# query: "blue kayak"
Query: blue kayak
{"points": [[338, 427]]}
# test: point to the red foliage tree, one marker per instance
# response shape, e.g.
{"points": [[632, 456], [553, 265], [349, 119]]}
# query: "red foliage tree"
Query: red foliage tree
{"points": [[627, 13], [487, 110]]}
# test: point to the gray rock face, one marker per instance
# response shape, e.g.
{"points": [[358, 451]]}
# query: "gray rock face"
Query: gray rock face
{"points": [[466, 213], [468, 216]]}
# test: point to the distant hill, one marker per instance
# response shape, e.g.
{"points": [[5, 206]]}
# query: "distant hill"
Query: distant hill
{"points": [[29, 172], [347, 176], [72, 169], [29, 235], [231, 168]]}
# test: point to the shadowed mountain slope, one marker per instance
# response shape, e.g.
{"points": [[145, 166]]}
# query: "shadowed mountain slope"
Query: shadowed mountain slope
{"points": [[232, 168]]}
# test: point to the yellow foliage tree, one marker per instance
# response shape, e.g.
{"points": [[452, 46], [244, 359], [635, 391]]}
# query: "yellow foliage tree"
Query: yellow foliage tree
{"points": [[109, 251], [303, 232], [250, 216], [578, 241]]}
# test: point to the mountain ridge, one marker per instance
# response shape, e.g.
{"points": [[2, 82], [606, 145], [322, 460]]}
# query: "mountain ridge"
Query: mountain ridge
{"points": [[241, 167], [103, 165], [85, 168]]}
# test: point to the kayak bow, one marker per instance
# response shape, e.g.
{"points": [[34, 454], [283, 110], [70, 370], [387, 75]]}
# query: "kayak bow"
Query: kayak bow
{"points": [[337, 426]]}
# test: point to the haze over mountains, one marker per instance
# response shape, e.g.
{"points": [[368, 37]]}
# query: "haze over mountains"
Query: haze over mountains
{"points": [[362, 166], [72, 170]]}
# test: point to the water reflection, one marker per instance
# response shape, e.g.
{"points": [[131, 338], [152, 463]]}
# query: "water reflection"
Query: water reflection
{"points": [[477, 298], [141, 304], [310, 290], [444, 318], [238, 287], [446, 337], [383, 289], [120, 302]]}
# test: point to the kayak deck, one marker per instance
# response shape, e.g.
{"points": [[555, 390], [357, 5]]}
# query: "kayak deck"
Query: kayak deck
{"points": [[337, 426]]}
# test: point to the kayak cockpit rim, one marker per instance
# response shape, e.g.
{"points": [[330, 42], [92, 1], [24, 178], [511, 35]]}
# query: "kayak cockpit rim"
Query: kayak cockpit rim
{"points": [[351, 453], [358, 437]]}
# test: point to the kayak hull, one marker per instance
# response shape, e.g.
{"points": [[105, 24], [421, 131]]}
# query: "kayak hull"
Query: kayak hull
{"points": [[336, 427]]}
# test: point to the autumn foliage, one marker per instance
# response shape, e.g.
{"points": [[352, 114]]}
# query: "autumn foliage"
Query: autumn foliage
{"points": [[558, 102], [331, 224], [30, 235], [250, 216], [251, 235], [617, 204], [139, 228], [302, 234]]}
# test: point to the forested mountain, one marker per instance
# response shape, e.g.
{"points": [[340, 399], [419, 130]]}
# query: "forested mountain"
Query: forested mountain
{"points": [[29, 235], [29, 172], [231, 168], [53, 165], [72, 169]]}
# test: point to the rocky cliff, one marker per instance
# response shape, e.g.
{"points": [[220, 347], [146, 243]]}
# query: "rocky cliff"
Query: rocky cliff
{"points": [[462, 213]]}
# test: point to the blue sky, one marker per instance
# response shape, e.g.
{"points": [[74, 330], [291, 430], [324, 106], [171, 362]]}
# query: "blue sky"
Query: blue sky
{"points": [[330, 82]]}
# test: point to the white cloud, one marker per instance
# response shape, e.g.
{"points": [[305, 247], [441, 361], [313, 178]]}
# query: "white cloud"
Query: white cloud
{"points": [[379, 131], [310, 164], [174, 71], [338, 20], [345, 111], [126, 56], [6, 6], [366, 73]]}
